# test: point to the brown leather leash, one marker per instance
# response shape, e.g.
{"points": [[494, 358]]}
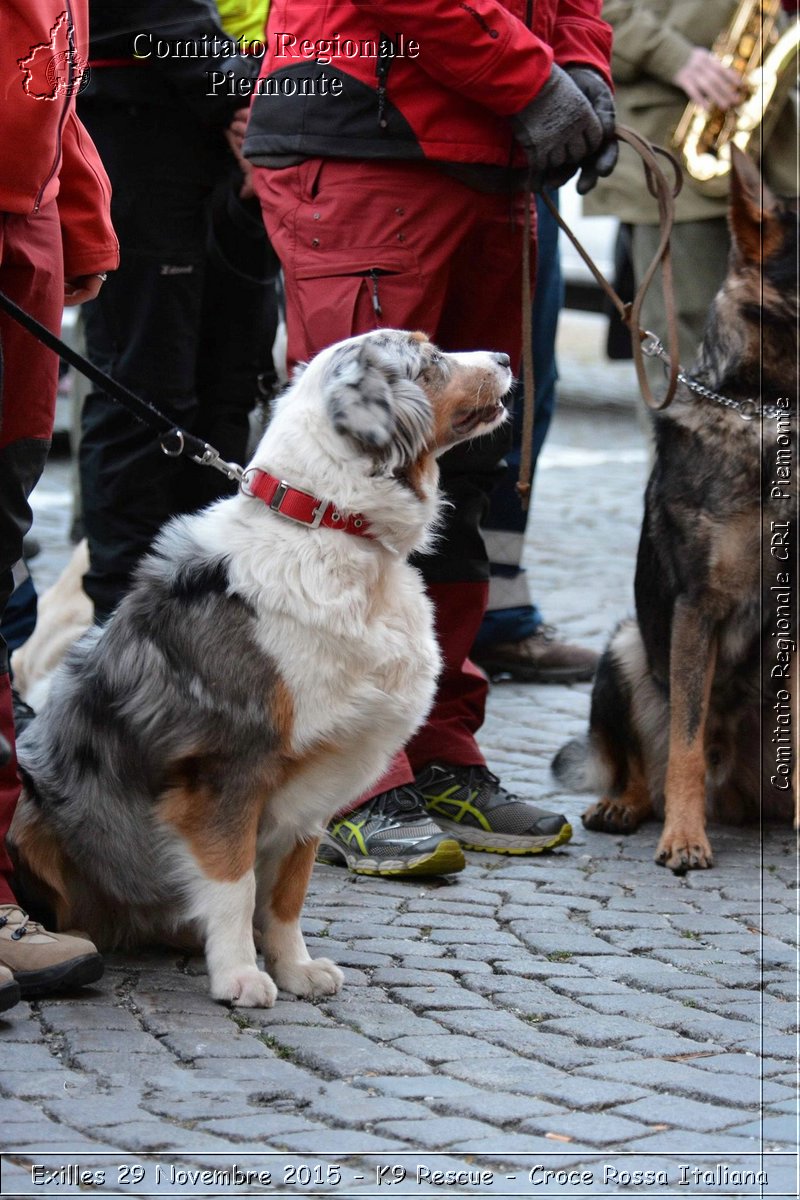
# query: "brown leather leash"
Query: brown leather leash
{"points": [[644, 342]]}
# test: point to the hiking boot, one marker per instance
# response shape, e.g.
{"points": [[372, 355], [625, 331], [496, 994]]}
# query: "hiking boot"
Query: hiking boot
{"points": [[43, 962], [540, 658], [9, 990], [391, 834], [470, 804]]}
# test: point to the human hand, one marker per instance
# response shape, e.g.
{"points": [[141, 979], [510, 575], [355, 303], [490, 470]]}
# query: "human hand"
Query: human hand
{"points": [[706, 82], [234, 135], [80, 288], [236, 130], [601, 98], [558, 129]]}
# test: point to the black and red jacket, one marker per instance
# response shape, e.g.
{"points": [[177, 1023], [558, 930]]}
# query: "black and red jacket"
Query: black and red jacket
{"points": [[478, 64]]}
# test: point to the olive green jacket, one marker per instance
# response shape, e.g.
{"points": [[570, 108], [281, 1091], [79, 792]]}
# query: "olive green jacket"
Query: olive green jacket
{"points": [[652, 41]]}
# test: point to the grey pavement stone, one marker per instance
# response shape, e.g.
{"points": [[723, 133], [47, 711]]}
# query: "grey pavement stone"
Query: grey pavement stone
{"points": [[450, 963], [572, 1091], [210, 1106], [684, 1079], [597, 1030], [263, 1127], [435, 996], [501, 1108], [21, 1056], [473, 937], [593, 1129], [513, 1149], [342, 1053], [742, 1063], [338, 1103], [666, 1045], [35, 1084], [637, 1005], [385, 1022], [689, 1141], [426, 1087], [229, 1045], [88, 1112], [508, 1072], [438, 1132], [778, 1130], [686, 1114], [332, 1141], [443, 1047], [532, 1000]]}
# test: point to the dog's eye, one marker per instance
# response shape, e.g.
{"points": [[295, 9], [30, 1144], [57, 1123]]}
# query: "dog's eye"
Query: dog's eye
{"points": [[434, 368]]}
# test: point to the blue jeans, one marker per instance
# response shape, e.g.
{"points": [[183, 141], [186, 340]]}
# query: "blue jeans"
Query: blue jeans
{"points": [[512, 615]]}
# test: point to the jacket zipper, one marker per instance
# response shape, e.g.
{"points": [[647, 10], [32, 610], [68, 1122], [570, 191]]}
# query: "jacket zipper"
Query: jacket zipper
{"points": [[71, 52]]}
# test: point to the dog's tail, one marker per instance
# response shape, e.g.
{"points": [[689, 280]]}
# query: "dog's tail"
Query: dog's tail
{"points": [[579, 767], [599, 762]]}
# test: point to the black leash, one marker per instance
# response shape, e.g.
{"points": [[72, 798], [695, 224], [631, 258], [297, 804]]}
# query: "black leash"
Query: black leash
{"points": [[173, 440]]}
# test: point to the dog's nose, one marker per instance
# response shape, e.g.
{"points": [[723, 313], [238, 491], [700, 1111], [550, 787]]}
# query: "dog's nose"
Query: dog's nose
{"points": [[502, 359]]}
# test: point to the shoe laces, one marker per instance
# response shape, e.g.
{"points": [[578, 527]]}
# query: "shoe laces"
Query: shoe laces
{"points": [[398, 803], [480, 780], [545, 632], [25, 925]]}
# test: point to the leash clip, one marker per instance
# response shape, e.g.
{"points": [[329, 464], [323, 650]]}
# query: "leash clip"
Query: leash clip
{"points": [[652, 345], [212, 458], [174, 444]]}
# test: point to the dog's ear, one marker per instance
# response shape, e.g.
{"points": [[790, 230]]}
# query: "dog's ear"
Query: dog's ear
{"points": [[371, 401], [752, 209], [358, 392]]}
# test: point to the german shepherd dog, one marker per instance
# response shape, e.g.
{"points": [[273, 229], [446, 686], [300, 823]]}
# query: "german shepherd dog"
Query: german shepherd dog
{"points": [[695, 701]]}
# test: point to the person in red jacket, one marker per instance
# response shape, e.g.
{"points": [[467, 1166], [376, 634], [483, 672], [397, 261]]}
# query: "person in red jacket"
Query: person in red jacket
{"points": [[392, 142], [56, 244]]}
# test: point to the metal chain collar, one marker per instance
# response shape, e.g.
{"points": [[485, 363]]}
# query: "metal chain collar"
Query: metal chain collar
{"points": [[746, 409]]}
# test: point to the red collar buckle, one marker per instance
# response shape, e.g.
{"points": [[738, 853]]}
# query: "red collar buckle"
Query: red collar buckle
{"points": [[302, 507]]}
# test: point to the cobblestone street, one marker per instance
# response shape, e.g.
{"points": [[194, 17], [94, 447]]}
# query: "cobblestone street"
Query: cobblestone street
{"points": [[585, 1013]]}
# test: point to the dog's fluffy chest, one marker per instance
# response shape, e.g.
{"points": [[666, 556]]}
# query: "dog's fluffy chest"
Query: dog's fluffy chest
{"points": [[357, 653]]}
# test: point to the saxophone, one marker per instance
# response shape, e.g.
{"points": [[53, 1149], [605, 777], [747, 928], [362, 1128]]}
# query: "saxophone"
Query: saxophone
{"points": [[766, 59]]}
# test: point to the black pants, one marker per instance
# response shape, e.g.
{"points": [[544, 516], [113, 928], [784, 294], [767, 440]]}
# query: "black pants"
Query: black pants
{"points": [[187, 322]]}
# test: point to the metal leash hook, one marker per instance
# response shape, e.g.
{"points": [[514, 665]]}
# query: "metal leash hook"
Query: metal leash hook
{"points": [[201, 453], [212, 458]]}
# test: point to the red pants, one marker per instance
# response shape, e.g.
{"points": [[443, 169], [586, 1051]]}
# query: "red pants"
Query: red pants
{"points": [[366, 245], [31, 274]]}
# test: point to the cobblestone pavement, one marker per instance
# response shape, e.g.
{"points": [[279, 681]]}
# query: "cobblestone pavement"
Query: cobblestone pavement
{"points": [[586, 1013]]}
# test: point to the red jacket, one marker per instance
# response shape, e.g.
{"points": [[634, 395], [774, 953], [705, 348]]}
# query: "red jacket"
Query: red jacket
{"points": [[47, 154], [475, 64]]}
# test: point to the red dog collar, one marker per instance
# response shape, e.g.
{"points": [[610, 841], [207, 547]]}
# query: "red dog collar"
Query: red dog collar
{"points": [[296, 505]]}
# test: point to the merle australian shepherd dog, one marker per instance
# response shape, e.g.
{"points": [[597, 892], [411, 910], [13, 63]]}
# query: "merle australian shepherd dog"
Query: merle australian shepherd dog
{"points": [[274, 652], [694, 705]]}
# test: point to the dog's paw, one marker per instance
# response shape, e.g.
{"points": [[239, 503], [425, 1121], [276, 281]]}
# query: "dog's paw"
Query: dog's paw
{"points": [[246, 988], [320, 977], [610, 816], [683, 852]]}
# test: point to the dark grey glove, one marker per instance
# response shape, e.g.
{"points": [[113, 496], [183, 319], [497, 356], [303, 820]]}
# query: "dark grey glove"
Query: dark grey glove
{"points": [[559, 129], [601, 98]]}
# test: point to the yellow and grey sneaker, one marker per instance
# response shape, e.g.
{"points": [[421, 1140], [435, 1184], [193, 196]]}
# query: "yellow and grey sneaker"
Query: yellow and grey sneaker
{"points": [[469, 803], [391, 834], [43, 962]]}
